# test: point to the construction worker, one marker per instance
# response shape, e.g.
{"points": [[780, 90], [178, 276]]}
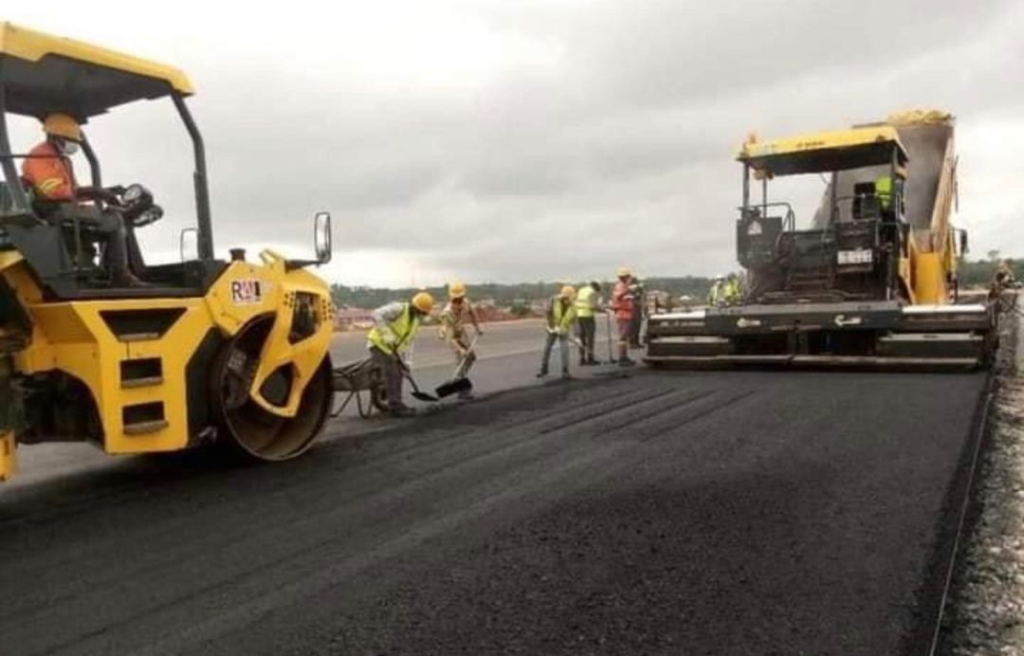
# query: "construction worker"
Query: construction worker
{"points": [[457, 315], [394, 331], [716, 295], [883, 191], [1004, 275], [624, 305], [639, 312], [47, 168], [560, 316], [886, 189], [731, 293], [588, 303], [49, 172]]}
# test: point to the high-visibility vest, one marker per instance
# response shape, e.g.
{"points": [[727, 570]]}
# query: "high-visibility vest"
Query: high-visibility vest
{"points": [[585, 302], [404, 329], [623, 301], [560, 318], [883, 190], [731, 293], [46, 170]]}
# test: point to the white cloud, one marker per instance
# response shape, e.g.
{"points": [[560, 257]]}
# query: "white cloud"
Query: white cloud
{"points": [[543, 139]]}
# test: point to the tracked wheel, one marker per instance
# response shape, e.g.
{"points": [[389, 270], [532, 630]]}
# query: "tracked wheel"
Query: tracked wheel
{"points": [[244, 425]]}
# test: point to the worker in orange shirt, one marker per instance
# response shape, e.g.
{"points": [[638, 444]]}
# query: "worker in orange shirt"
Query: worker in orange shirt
{"points": [[47, 167], [48, 171], [624, 304]]}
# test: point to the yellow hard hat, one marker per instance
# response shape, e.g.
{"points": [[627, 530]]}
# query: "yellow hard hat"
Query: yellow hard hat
{"points": [[456, 290], [423, 302], [568, 291], [623, 271], [62, 125]]}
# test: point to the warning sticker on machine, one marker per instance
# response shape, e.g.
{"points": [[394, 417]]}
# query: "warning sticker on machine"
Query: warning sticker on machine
{"points": [[246, 292]]}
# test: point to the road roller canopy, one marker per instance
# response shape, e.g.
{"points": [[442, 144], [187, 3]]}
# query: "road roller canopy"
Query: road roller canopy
{"points": [[41, 74], [826, 152]]}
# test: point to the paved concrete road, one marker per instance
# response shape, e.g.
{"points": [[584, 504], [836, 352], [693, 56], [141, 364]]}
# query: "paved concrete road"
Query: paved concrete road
{"points": [[697, 513]]}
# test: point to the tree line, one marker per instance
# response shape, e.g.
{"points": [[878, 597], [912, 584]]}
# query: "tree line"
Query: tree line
{"points": [[981, 272], [521, 295], [509, 295]]}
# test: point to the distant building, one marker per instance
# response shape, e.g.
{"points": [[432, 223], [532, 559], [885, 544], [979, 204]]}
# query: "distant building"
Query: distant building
{"points": [[350, 318]]}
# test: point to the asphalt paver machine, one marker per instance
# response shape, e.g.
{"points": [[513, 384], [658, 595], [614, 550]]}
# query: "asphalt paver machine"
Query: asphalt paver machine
{"points": [[872, 280]]}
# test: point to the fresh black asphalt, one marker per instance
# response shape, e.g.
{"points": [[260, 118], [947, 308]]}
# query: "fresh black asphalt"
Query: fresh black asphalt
{"points": [[661, 513]]}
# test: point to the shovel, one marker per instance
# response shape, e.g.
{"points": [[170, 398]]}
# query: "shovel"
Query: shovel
{"points": [[457, 383], [416, 393]]}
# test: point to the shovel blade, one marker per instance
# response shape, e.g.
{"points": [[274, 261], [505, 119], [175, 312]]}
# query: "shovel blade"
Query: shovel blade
{"points": [[454, 387], [423, 396]]}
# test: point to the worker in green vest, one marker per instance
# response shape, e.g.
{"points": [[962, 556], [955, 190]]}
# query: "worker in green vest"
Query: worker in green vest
{"points": [[731, 293], [588, 303], [883, 191], [560, 316], [394, 330]]}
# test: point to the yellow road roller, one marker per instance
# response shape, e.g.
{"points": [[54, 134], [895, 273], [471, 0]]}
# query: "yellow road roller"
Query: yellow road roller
{"points": [[97, 345]]}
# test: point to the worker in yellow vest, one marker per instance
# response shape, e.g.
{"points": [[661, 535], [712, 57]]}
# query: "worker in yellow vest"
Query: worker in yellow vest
{"points": [[731, 292], [588, 304], [883, 191], [393, 334], [886, 191], [560, 316]]}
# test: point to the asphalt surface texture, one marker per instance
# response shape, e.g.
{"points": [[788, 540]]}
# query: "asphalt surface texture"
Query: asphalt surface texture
{"points": [[626, 512]]}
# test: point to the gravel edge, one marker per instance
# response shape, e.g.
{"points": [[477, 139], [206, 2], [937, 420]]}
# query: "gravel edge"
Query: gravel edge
{"points": [[986, 613]]}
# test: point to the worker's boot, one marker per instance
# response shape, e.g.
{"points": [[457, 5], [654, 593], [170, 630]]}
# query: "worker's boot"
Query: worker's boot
{"points": [[542, 373], [625, 361]]}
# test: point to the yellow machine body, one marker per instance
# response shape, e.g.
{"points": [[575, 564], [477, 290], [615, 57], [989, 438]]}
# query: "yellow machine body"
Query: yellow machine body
{"points": [[133, 357], [870, 282], [8, 457], [78, 339]]}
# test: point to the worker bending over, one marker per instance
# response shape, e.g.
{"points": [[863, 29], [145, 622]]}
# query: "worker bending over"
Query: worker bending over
{"points": [[588, 304], [560, 315], [624, 304], [456, 317], [394, 331]]}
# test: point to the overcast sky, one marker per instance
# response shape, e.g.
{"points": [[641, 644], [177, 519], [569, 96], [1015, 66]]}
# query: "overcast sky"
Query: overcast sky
{"points": [[536, 139]]}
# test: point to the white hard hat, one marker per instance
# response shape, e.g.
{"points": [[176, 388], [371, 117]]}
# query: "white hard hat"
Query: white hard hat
{"points": [[719, 276]]}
